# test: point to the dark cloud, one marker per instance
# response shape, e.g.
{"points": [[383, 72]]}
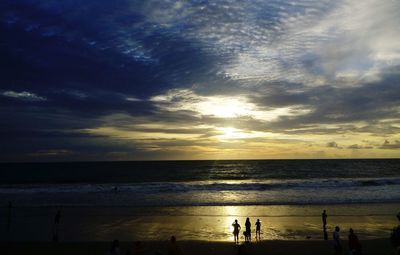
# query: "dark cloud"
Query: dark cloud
{"points": [[71, 66], [333, 145], [359, 147], [342, 106], [390, 145]]}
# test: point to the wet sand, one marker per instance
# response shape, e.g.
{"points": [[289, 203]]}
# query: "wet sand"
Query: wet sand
{"points": [[199, 223], [272, 247]]}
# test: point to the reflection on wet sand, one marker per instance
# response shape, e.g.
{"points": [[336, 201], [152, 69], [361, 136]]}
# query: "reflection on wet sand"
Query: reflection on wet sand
{"points": [[208, 223]]}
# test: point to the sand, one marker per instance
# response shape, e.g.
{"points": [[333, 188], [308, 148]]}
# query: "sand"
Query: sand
{"points": [[198, 223], [274, 247]]}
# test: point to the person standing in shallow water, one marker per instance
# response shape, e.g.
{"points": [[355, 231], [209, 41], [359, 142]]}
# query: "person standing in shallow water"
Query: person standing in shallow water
{"points": [[248, 230], [258, 230], [236, 230], [324, 216]]}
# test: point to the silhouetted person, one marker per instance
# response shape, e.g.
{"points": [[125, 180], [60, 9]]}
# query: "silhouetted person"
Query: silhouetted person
{"points": [[395, 236], [258, 229], [56, 226], [247, 235], [337, 245], [354, 243], [115, 250], [324, 216], [9, 212], [236, 230], [173, 248]]}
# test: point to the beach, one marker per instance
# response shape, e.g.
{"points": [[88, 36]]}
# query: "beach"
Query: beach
{"points": [[197, 223], [275, 247], [197, 201]]}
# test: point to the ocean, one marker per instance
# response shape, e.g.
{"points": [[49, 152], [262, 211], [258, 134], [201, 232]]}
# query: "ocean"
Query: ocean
{"points": [[201, 183], [198, 200]]}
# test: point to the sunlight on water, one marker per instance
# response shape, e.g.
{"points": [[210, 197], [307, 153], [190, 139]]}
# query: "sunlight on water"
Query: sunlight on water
{"points": [[208, 223], [231, 212]]}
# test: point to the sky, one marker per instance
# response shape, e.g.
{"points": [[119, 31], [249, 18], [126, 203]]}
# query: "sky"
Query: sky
{"points": [[196, 79]]}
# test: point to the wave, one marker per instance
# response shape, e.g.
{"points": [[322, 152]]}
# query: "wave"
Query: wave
{"points": [[200, 186]]}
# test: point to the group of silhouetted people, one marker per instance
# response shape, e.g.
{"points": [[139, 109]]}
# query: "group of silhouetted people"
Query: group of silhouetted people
{"points": [[247, 232], [354, 243]]}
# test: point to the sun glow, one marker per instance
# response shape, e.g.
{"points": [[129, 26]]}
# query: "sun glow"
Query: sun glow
{"points": [[224, 107], [231, 133]]}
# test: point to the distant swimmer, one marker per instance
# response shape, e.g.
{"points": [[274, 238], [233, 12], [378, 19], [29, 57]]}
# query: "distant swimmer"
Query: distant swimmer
{"points": [[236, 230], [115, 189], [258, 230]]}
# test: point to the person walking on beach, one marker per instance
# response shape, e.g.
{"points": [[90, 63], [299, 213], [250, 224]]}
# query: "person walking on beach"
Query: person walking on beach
{"points": [[354, 243], [9, 212], [236, 230], [258, 230], [115, 250], [395, 236], [173, 248], [324, 216], [56, 225], [247, 235], [337, 245]]}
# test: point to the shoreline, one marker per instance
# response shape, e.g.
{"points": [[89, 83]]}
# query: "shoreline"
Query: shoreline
{"points": [[204, 223], [271, 247]]}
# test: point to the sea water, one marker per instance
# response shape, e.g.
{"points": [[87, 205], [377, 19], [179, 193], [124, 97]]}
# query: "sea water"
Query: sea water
{"points": [[199, 200], [194, 183]]}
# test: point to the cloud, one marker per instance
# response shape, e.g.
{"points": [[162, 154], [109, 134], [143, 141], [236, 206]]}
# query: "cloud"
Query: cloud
{"points": [[24, 95], [133, 99], [391, 146], [359, 147], [333, 145], [220, 106], [145, 79]]}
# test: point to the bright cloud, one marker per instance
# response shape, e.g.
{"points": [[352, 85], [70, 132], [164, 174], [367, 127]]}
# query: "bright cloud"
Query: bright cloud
{"points": [[201, 79], [222, 106], [24, 95]]}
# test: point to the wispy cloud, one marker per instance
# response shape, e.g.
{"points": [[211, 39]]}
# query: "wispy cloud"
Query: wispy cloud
{"points": [[24, 95], [391, 145], [221, 106], [200, 79]]}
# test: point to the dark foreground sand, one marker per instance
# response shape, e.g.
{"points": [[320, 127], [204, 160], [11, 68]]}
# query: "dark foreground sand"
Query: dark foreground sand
{"points": [[377, 246]]}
